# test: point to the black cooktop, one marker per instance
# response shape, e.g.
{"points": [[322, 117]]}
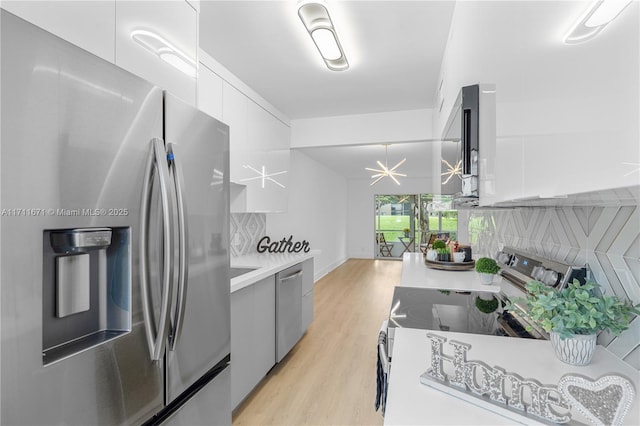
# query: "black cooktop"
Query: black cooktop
{"points": [[445, 310]]}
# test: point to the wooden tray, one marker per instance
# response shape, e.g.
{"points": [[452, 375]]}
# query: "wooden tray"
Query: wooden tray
{"points": [[450, 266]]}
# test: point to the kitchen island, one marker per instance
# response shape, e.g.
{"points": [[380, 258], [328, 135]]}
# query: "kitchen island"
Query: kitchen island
{"points": [[416, 274], [411, 402]]}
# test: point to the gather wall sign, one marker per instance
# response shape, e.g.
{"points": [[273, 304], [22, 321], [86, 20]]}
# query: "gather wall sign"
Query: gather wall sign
{"points": [[285, 245]]}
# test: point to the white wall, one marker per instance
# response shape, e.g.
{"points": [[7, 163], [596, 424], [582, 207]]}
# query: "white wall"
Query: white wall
{"points": [[317, 212], [361, 212]]}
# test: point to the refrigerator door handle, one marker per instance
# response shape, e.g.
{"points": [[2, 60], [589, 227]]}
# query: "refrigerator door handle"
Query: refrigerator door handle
{"points": [[156, 333], [183, 246]]}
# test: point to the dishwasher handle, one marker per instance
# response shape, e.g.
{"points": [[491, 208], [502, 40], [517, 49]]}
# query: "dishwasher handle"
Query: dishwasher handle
{"points": [[292, 276]]}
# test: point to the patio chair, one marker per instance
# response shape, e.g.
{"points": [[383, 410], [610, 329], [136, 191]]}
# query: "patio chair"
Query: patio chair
{"points": [[383, 245], [426, 240]]}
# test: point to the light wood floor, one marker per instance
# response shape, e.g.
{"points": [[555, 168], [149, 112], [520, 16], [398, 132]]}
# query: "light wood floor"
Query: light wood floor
{"points": [[329, 376]]}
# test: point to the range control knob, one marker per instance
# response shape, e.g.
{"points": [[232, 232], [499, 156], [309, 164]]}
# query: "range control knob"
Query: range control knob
{"points": [[551, 278], [538, 273], [503, 258]]}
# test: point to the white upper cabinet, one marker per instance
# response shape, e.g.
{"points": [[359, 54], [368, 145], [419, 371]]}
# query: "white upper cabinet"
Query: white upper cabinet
{"points": [[210, 92], [266, 163], [266, 132], [259, 154], [234, 114], [105, 28], [87, 24], [566, 115], [171, 22]]}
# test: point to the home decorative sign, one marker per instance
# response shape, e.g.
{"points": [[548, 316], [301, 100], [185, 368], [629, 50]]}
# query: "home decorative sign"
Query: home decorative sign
{"points": [[283, 246], [604, 401]]}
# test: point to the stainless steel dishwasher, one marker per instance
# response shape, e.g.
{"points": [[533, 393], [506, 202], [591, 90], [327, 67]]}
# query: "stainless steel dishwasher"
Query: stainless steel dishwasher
{"points": [[288, 309]]}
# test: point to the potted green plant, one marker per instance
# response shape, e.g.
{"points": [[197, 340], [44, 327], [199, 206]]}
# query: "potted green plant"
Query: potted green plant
{"points": [[433, 253], [574, 316], [407, 232], [486, 268], [444, 255], [439, 244]]}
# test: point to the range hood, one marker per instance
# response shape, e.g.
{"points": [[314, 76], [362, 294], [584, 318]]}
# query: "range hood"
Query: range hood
{"points": [[472, 119]]}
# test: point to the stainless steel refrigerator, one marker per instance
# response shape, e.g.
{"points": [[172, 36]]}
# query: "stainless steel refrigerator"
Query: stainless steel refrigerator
{"points": [[114, 234]]}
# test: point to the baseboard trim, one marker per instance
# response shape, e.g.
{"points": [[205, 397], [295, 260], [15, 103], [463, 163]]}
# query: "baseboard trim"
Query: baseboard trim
{"points": [[318, 275]]}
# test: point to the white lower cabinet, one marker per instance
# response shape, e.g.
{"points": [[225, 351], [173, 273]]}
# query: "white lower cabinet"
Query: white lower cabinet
{"points": [[253, 330]]}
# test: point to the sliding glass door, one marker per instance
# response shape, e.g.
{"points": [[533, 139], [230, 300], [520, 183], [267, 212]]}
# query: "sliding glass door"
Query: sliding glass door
{"points": [[403, 222]]}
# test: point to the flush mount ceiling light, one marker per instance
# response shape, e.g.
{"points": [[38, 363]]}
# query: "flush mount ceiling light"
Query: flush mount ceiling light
{"points": [[165, 51], [385, 171], [315, 17], [594, 19]]}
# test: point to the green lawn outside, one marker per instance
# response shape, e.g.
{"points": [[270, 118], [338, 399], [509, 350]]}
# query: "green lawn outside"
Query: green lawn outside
{"points": [[392, 226]]}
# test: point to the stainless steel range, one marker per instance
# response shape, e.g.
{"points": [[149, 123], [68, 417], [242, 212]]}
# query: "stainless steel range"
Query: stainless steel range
{"points": [[519, 267], [479, 312]]}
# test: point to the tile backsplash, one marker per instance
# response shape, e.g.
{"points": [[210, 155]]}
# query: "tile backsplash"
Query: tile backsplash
{"points": [[246, 230], [607, 238]]}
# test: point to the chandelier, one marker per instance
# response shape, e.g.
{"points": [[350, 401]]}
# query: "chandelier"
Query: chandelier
{"points": [[451, 171], [385, 171]]}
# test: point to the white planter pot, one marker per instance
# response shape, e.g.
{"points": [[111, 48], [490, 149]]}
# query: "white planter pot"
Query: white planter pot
{"points": [[485, 278], [575, 350], [432, 255]]}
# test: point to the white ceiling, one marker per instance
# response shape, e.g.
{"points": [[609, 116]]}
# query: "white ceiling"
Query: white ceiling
{"points": [[394, 49]]}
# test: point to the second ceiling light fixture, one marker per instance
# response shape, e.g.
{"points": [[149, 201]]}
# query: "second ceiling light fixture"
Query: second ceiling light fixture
{"points": [[385, 171]]}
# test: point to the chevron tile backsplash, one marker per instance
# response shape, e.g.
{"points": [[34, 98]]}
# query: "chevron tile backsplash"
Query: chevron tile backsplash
{"points": [[605, 238], [246, 230]]}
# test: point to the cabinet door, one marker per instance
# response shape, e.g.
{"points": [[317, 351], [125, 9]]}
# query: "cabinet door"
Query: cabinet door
{"points": [[267, 161], [259, 154], [234, 114], [266, 132], [266, 176], [174, 21], [253, 333], [210, 92], [242, 321], [264, 328], [566, 119], [89, 25]]}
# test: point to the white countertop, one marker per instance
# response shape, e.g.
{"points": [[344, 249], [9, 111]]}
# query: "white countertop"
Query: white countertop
{"points": [[266, 263], [411, 402], [416, 274]]}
